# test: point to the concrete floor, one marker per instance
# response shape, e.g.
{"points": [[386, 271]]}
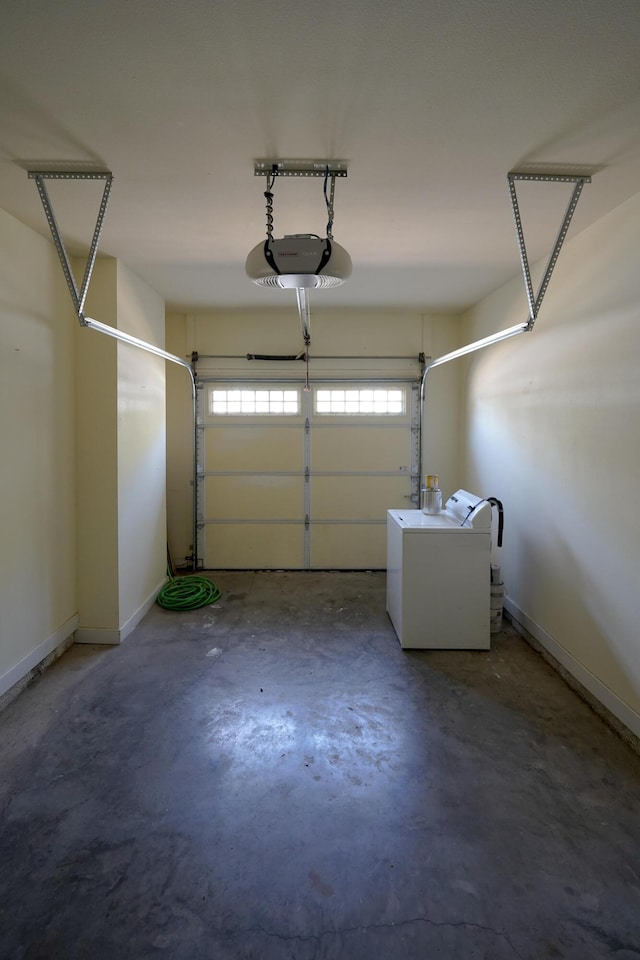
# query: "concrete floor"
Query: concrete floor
{"points": [[274, 778]]}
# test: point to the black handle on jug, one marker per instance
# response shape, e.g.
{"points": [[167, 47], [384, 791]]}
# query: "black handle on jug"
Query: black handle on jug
{"points": [[498, 503]]}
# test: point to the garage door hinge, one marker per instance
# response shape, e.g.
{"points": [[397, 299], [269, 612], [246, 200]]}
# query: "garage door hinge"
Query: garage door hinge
{"points": [[307, 425], [306, 522], [306, 474]]}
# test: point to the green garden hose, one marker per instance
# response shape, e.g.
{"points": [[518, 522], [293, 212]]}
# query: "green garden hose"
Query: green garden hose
{"points": [[188, 593]]}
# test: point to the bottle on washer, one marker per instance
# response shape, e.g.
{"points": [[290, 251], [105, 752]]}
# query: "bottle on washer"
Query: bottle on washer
{"points": [[431, 495]]}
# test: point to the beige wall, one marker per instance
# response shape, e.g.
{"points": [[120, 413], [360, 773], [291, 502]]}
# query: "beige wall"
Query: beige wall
{"points": [[121, 457], [142, 529], [97, 460], [552, 429], [335, 333], [179, 442], [37, 466], [82, 472]]}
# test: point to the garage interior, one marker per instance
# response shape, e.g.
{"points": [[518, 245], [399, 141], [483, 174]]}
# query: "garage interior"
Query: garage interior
{"points": [[272, 775]]}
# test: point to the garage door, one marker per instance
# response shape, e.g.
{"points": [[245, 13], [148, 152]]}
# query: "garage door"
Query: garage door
{"points": [[301, 479]]}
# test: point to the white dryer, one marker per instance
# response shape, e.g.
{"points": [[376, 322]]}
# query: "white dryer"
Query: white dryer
{"points": [[439, 575]]}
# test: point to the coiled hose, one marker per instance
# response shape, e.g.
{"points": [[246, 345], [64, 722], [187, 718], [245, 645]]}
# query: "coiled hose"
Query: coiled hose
{"points": [[188, 593]]}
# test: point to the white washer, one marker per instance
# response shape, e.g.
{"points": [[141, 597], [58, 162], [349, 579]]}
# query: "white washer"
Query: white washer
{"points": [[439, 575]]}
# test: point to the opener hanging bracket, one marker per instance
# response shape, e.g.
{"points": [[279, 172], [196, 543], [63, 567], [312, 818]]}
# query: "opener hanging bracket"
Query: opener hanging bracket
{"points": [[300, 168], [535, 299], [40, 176]]}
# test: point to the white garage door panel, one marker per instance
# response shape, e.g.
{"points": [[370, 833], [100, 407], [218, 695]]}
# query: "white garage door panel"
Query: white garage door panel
{"points": [[254, 498], [357, 498], [298, 480], [261, 447], [359, 447], [348, 546], [242, 546]]}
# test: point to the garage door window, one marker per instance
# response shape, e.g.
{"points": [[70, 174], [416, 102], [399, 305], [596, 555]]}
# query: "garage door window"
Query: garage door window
{"points": [[252, 402], [368, 402]]}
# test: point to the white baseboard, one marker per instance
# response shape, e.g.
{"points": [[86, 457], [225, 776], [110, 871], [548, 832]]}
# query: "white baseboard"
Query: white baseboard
{"points": [[142, 611], [115, 636], [98, 635], [598, 690], [24, 667]]}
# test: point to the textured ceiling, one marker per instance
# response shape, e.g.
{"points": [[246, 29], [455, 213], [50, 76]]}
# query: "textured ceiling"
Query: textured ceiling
{"points": [[431, 103]]}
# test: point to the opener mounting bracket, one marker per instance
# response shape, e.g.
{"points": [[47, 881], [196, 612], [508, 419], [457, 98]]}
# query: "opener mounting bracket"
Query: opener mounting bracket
{"points": [[300, 168], [40, 176], [535, 299]]}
